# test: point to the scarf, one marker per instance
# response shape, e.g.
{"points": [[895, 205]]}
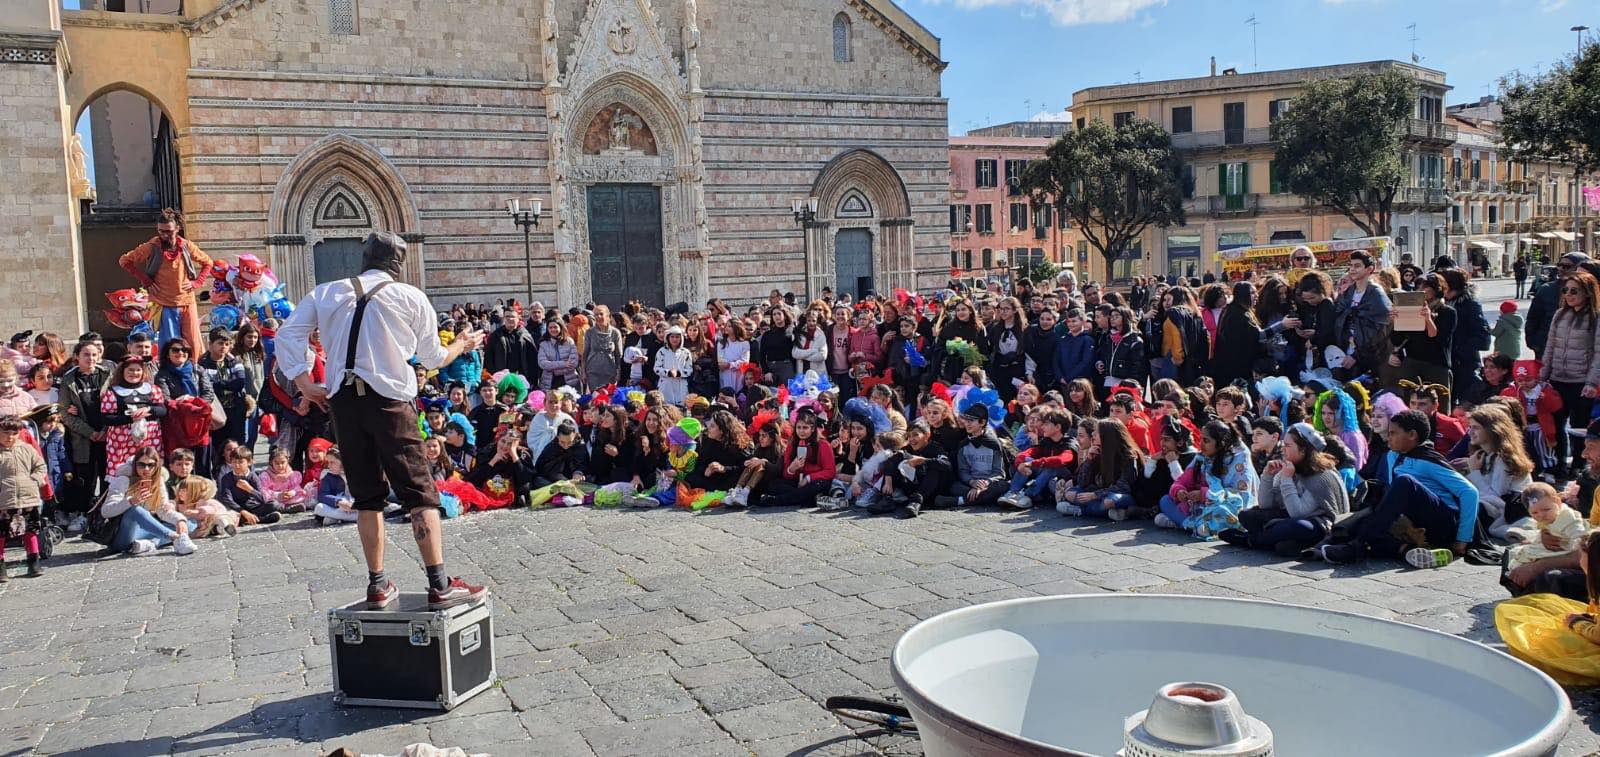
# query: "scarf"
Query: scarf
{"points": [[186, 372]]}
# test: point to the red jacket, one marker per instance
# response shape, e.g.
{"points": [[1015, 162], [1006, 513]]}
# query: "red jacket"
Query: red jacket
{"points": [[1545, 407], [821, 470], [187, 423], [1448, 432], [1039, 456]]}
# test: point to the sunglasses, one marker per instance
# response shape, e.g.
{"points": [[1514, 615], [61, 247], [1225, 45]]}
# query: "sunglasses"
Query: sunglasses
{"points": [[144, 465], [1572, 290], [1302, 260]]}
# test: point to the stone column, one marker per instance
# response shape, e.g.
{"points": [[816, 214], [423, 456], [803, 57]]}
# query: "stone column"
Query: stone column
{"points": [[567, 294], [287, 256], [818, 246], [416, 272]]}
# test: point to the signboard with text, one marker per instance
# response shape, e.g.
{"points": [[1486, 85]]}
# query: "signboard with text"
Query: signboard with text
{"points": [[1333, 256]]}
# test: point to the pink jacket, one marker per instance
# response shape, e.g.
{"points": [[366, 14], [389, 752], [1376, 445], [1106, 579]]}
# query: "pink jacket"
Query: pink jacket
{"points": [[1188, 481], [866, 342], [272, 486]]}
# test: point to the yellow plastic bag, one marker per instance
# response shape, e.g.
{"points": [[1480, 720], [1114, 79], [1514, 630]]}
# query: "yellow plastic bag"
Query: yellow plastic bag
{"points": [[1534, 630]]}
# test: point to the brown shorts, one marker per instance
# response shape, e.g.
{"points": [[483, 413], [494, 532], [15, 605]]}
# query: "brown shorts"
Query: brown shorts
{"points": [[381, 448]]}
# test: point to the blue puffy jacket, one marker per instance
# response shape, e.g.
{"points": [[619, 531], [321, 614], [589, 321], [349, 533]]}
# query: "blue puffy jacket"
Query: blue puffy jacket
{"points": [[1075, 358]]}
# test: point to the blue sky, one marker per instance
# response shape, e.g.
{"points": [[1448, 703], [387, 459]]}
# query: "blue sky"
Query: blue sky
{"points": [[1012, 59]]}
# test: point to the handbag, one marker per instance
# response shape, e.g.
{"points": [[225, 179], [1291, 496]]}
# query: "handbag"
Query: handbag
{"points": [[219, 416], [100, 529]]}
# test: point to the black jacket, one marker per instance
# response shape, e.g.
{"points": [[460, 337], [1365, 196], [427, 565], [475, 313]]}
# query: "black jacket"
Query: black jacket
{"points": [[714, 451], [1128, 359], [517, 352], [1543, 310], [519, 472], [1238, 346], [558, 464], [171, 383]]}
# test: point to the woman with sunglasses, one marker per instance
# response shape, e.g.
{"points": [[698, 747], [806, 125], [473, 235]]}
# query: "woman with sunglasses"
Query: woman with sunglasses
{"points": [[137, 494], [1570, 351], [179, 379]]}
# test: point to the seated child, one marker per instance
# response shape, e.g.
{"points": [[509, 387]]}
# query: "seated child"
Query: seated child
{"points": [[333, 497], [281, 485], [871, 488], [195, 499], [1548, 514], [240, 489]]}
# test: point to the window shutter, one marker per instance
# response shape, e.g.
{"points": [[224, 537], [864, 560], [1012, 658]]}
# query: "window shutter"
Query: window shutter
{"points": [[1244, 179], [1222, 179]]}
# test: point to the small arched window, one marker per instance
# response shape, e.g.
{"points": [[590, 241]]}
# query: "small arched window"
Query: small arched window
{"points": [[841, 38]]}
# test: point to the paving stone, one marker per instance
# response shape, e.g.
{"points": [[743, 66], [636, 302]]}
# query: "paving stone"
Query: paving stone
{"points": [[673, 732], [645, 622], [763, 621], [721, 672], [707, 652], [566, 716], [626, 668], [798, 661], [123, 730], [537, 690], [783, 638], [179, 673], [59, 688], [769, 721], [645, 697], [743, 693], [472, 731]]}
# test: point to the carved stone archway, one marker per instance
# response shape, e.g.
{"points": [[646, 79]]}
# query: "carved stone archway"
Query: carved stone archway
{"points": [[621, 64], [339, 187], [859, 189]]}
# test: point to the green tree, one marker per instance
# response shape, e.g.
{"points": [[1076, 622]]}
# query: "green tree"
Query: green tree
{"points": [[1339, 144], [1043, 271], [1556, 116], [1113, 183]]}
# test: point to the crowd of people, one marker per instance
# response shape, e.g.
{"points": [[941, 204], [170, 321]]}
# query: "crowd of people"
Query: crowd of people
{"points": [[1297, 412]]}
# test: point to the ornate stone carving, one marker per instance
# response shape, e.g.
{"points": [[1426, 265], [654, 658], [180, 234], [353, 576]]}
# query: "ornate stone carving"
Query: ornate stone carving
{"points": [[616, 129], [82, 188], [620, 38]]}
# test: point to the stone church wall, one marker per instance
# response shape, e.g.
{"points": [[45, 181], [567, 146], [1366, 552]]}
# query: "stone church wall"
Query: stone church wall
{"points": [[39, 257]]}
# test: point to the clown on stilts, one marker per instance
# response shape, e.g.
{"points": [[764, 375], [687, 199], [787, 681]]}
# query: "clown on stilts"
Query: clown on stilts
{"points": [[172, 269]]}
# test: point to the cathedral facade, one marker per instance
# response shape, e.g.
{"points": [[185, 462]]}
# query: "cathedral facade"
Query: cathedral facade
{"points": [[667, 140]]}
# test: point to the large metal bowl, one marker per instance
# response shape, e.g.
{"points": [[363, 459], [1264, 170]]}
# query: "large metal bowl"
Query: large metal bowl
{"points": [[1058, 676]]}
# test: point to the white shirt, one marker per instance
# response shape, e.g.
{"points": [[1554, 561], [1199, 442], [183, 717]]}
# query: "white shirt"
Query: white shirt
{"points": [[399, 323]]}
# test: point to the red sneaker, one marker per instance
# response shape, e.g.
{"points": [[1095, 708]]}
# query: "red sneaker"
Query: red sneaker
{"points": [[379, 597], [457, 592]]}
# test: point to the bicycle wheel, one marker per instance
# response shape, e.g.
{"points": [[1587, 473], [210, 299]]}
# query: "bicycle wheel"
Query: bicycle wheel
{"points": [[890, 716]]}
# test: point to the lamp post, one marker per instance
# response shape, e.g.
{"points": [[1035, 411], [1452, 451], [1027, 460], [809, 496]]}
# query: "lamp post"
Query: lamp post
{"points": [[1577, 178], [805, 211], [527, 217]]}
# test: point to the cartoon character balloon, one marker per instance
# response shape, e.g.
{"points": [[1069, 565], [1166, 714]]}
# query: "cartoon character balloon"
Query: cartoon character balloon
{"points": [[254, 286], [130, 309]]}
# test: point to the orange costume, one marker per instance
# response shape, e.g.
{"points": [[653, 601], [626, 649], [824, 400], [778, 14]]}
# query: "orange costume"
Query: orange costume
{"points": [[172, 276]]}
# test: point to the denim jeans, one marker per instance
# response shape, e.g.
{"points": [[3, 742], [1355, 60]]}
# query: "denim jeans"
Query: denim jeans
{"points": [[1169, 508], [1041, 484], [139, 523], [1098, 506]]}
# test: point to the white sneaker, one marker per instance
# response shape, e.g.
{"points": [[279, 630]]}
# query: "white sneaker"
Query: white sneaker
{"points": [[183, 545], [1164, 522], [78, 525], [1068, 508], [1117, 514], [1008, 499], [735, 497], [142, 547], [1022, 502]]}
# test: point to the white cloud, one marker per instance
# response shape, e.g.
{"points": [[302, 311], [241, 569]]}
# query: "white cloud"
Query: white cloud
{"points": [[1052, 116], [1551, 6], [1073, 12]]}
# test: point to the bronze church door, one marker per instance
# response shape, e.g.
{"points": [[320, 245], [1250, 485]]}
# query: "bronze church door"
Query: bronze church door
{"points": [[625, 260], [336, 259]]}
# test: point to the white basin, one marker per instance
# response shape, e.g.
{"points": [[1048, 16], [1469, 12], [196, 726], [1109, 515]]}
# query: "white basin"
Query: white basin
{"points": [[1058, 676]]}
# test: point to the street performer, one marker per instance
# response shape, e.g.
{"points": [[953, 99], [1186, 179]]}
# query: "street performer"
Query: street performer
{"points": [[172, 269], [371, 325]]}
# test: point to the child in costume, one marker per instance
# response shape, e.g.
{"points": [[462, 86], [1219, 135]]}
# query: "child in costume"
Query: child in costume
{"points": [[497, 482], [333, 499], [282, 485], [1555, 634], [1538, 400], [674, 363], [766, 461]]}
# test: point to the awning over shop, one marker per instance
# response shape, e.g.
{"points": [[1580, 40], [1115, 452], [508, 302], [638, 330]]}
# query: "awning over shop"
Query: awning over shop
{"points": [[1487, 244], [1547, 235], [1528, 240], [1565, 236]]}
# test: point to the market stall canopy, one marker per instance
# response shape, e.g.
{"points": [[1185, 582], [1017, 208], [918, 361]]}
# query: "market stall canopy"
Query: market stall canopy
{"points": [[1487, 244], [1565, 236]]}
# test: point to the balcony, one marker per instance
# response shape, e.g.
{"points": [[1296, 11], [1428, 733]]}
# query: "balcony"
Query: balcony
{"points": [[1211, 140], [1421, 197], [1458, 229], [1428, 131], [1233, 205]]}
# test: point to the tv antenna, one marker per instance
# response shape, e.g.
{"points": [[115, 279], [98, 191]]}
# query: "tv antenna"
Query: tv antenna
{"points": [[1413, 28], [1255, 63]]}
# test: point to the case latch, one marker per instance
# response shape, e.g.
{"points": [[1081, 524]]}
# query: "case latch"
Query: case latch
{"points": [[419, 633]]}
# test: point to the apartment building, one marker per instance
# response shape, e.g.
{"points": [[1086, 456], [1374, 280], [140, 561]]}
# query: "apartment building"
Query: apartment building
{"points": [[994, 229], [1501, 208], [1221, 124]]}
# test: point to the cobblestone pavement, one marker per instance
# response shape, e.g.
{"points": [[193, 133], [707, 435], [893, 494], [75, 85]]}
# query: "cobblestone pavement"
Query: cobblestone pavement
{"points": [[619, 632]]}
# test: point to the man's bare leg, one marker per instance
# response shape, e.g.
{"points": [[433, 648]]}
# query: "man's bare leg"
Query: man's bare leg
{"points": [[430, 540], [369, 524]]}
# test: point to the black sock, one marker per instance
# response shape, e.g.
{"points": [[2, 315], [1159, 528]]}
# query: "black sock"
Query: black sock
{"points": [[436, 578], [375, 579]]}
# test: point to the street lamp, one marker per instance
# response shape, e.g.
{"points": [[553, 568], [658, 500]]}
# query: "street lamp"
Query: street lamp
{"points": [[527, 217], [1577, 178], [805, 209]]}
